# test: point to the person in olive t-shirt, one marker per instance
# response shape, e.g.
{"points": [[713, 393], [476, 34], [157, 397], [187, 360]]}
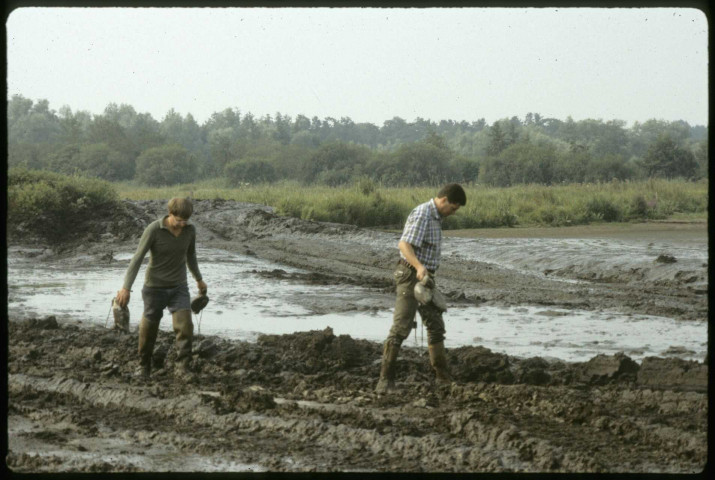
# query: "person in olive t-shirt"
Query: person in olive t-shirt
{"points": [[171, 242]]}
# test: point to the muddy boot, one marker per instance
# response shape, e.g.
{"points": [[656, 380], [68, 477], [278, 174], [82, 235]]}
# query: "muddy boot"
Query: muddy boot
{"points": [[387, 372], [438, 359], [148, 331], [184, 329]]}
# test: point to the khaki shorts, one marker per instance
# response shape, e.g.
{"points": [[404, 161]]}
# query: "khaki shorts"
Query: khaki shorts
{"points": [[406, 306]]}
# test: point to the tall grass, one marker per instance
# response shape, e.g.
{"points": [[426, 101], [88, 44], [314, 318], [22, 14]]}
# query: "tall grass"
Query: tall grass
{"points": [[367, 204]]}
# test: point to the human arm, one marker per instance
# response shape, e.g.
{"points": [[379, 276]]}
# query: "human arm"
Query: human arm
{"points": [[123, 294], [409, 253], [193, 265]]}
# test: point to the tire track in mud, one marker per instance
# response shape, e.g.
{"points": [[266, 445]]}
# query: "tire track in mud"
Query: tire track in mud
{"points": [[480, 448], [304, 402], [329, 436]]}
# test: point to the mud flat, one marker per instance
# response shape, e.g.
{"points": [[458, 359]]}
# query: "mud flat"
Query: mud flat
{"points": [[305, 401]]}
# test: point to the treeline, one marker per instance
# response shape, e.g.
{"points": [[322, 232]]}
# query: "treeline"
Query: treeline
{"points": [[121, 144]]}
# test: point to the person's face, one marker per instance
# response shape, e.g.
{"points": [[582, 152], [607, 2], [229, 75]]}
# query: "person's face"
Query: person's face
{"points": [[445, 208], [177, 222]]}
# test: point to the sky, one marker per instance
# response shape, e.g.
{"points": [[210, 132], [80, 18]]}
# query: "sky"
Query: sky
{"points": [[369, 64]]}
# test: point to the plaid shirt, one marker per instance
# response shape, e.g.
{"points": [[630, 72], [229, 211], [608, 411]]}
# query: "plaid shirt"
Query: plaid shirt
{"points": [[423, 230]]}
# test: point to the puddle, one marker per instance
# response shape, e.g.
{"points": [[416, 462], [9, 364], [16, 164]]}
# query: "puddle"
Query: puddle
{"points": [[246, 301], [121, 450]]}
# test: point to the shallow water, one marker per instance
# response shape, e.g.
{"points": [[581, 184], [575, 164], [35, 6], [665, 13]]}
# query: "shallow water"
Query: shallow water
{"points": [[245, 303]]}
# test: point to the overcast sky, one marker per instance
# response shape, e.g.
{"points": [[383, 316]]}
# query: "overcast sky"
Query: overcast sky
{"points": [[366, 64]]}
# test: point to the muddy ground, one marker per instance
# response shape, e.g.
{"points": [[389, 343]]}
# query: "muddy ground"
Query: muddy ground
{"points": [[305, 402]]}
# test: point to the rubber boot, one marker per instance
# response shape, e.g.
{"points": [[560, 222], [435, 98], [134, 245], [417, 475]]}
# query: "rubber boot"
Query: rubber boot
{"points": [[387, 372], [438, 359], [184, 329], [148, 331]]}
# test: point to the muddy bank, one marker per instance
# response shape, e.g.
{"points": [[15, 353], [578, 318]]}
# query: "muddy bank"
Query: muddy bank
{"points": [[305, 402]]}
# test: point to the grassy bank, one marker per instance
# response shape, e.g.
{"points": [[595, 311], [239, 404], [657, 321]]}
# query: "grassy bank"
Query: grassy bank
{"points": [[369, 205], [55, 206]]}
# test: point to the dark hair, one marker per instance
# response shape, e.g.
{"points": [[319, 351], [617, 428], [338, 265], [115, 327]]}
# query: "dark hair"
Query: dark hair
{"points": [[454, 193]]}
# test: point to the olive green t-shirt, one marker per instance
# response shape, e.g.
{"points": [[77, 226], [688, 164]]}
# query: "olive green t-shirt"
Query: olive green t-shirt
{"points": [[169, 256]]}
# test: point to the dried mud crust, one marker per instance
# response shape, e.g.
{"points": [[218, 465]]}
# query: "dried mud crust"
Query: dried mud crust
{"points": [[305, 402]]}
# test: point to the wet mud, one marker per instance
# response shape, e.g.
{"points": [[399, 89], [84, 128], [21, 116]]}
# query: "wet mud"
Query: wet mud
{"points": [[306, 402]]}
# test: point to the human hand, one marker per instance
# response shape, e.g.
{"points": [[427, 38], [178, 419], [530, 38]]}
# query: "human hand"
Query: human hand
{"points": [[123, 297], [203, 288], [422, 272]]}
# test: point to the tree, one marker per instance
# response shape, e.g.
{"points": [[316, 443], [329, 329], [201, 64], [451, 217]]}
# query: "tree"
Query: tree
{"points": [[520, 163], [144, 133], [220, 154], [335, 163], [110, 132], [74, 126], [165, 165], [702, 158], [497, 140], [18, 107], [291, 159], [28, 123], [465, 169], [65, 160], [607, 168], [642, 135], [282, 132], [300, 124], [665, 158], [420, 163], [570, 167], [306, 139], [250, 170], [101, 161], [31, 156], [611, 139]]}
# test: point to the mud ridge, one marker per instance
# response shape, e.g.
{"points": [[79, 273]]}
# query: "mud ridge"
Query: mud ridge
{"points": [[307, 400]]}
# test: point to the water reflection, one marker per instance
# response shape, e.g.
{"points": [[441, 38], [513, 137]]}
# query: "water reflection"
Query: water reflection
{"points": [[246, 302]]}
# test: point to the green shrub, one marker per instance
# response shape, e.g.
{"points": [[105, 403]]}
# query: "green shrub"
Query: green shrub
{"points": [[52, 205], [165, 165], [638, 207], [603, 209]]}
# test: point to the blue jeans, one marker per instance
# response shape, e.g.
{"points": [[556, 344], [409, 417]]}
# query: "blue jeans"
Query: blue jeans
{"points": [[156, 299]]}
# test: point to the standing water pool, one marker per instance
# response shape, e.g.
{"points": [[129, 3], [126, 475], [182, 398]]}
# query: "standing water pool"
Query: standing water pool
{"points": [[246, 302]]}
